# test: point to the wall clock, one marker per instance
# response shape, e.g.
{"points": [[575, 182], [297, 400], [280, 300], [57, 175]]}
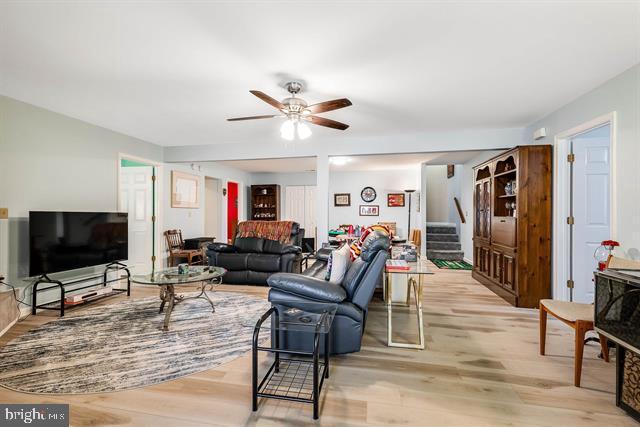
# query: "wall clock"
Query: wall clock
{"points": [[368, 194]]}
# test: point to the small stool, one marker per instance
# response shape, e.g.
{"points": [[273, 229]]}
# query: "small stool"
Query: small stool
{"points": [[580, 318]]}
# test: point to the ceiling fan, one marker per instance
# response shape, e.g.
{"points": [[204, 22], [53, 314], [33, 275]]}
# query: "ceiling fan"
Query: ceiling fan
{"points": [[297, 112]]}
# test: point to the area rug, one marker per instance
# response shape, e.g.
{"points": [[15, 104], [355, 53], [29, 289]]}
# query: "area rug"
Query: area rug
{"points": [[452, 265], [122, 346]]}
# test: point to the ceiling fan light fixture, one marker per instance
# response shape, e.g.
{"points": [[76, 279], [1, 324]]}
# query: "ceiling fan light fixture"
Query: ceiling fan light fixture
{"points": [[296, 110], [287, 130], [304, 131]]}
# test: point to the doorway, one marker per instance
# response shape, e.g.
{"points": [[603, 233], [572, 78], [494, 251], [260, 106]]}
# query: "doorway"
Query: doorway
{"points": [[590, 206], [137, 196], [300, 206], [232, 210], [212, 199]]}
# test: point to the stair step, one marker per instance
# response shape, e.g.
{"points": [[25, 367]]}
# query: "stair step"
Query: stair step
{"points": [[441, 229], [451, 246], [447, 255], [442, 237]]}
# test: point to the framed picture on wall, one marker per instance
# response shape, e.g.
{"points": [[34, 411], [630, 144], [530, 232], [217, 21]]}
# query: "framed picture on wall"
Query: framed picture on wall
{"points": [[184, 190], [342, 199], [451, 171], [395, 200], [369, 210]]}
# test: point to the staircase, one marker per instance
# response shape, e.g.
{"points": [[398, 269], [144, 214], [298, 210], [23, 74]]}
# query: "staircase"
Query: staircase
{"points": [[443, 242]]}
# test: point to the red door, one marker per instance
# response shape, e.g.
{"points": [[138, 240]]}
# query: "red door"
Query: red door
{"points": [[232, 210]]}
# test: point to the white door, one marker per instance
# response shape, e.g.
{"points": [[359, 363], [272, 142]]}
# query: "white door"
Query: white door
{"points": [[300, 206], [212, 207], [294, 204], [136, 198], [591, 206]]}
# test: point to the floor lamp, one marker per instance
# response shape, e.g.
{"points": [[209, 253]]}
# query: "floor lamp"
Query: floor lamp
{"points": [[409, 220]]}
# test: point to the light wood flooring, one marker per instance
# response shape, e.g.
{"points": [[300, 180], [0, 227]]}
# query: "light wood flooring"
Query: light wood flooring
{"points": [[481, 367]]}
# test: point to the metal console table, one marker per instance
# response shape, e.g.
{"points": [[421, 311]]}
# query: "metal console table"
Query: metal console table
{"points": [[60, 284], [414, 281], [292, 376]]}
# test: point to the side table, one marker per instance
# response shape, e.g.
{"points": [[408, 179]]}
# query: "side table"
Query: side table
{"points": [[197, 242], [414, 282], [294, 375]]}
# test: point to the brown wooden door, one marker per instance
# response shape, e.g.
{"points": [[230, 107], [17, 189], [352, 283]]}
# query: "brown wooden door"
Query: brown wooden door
{"points": [[479, 209], [477, 258], [509, 272], [482, 201], [486, 221], [485, 260], [496, 266]]}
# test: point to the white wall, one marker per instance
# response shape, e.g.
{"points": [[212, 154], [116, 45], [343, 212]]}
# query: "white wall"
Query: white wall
{"points": [[622, 95], [440, 191], [465, 172], [436, 193], [435, 141], [454, 189], [284, 180], [53, 162], [191, 221], [383, 182]]}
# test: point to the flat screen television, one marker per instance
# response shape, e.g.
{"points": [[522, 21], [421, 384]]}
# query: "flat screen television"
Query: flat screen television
{"points": [[61, 241]]}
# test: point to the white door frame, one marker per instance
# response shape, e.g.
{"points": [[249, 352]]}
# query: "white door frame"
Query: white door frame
{"points": [[158, 202], [561, 244]]}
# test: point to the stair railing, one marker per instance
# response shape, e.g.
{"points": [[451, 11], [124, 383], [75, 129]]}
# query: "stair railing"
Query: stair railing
{"points": [[460, 213]]}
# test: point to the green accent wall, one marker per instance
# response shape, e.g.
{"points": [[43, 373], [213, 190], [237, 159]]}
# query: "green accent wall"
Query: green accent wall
{"points": [[126, 163]]}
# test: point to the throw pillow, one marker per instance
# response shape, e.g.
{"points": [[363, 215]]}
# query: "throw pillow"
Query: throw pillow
{"points": [[340, 262]]}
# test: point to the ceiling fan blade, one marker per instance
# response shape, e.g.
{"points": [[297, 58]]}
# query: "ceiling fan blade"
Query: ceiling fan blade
{"points": [[269, 100], [321, 121], [269, 116], [329, 105]]}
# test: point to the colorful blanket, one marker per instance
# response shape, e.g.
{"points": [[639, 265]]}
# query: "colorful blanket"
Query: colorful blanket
{"points": [[356, 247], [270, 230]]}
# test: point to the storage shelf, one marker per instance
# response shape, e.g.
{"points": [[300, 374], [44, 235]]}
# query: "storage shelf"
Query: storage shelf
{"points": [[265, 204], [505, 196], [510, 171], [293, 381], [56, 305]]}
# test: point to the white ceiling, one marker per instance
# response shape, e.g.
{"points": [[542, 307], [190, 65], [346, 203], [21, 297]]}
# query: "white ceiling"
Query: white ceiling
{"points": [[171, 72], [283, 165], [378, 162], [382, 162]]}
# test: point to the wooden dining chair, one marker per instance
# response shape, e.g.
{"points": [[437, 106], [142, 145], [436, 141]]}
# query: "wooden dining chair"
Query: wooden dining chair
{"points": [[579, 317], [175, 246], [416, 238]]}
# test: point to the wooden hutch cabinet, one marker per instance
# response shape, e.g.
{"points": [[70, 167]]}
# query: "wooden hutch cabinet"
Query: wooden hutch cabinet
{"points": [[512, 225], [265, 202]]}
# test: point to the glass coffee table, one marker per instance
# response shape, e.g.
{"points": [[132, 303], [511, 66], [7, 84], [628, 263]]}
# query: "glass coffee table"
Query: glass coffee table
{"points": [[169, 278], [294, 374]]}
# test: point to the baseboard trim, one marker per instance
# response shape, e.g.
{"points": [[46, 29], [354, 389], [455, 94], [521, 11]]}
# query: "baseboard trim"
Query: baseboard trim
{"points": [[467, 260]]}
